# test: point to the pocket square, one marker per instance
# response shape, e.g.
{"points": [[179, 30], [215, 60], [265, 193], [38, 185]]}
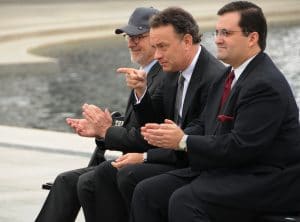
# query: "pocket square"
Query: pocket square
{"points": [[224, 118]]}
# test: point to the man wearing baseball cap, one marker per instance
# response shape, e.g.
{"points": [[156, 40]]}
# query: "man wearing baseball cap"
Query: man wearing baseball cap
{"points": [[138, 22], [63, 203], [176, 41]]}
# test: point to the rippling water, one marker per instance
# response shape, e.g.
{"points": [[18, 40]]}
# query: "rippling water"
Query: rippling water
{"points": [[87, 74]]}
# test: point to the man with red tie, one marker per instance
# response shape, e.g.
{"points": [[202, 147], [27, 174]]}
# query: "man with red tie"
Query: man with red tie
{"points": [[244, 151]]}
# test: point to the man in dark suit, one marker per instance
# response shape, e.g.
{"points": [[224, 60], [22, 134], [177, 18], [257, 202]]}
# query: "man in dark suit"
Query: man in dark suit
{"points": [[244, 151], [176, 41], [62, 203]]}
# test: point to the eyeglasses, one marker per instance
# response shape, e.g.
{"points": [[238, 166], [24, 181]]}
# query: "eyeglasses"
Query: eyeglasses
{"points": [[135, 38], [226, 33]]}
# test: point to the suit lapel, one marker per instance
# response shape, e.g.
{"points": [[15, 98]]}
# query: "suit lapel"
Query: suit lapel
{"points": [[129, 109], [150, 78], [152, 73], [195, 82], [170, 90], [241, 79], [230, 103]]}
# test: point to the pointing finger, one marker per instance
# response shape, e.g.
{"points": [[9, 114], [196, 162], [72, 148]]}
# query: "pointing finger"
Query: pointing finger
{"points": [[126, 70]]}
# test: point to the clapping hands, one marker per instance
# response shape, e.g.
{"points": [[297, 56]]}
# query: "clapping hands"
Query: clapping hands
{"points": [[165, 135], [94, 124]]}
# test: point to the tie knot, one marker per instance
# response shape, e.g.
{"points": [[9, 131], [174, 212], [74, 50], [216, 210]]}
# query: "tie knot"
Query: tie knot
{"points": [[231, 75]]}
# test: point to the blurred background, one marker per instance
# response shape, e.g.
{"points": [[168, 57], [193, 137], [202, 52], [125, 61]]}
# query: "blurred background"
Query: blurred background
{"points": [[56, 56]]}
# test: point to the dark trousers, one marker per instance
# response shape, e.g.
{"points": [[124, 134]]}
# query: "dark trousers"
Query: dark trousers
{"points": [[113, 190], [102, 199], [62, 204], [168, 197], [129, 176]]}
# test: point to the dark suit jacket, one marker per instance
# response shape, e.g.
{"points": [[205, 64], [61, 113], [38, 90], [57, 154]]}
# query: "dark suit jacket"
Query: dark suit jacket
{"points": [[154, 78], [116, 133], [250, 160], [161, 105]]}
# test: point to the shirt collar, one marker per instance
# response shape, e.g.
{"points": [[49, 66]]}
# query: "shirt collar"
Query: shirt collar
{"points": [[239, 70], [187, 73], [148, 67]]}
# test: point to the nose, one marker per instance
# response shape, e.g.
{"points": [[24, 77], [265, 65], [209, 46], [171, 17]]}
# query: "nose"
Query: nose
{"points": [[218, 39], [157, 54]]}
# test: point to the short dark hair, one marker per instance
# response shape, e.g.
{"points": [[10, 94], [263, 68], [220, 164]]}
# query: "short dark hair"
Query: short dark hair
{"points": [[182, 21], [252, 19]]}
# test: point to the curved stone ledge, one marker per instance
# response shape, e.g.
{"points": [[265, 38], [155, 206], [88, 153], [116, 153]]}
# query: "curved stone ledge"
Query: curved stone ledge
{"points": [[44, 23]]}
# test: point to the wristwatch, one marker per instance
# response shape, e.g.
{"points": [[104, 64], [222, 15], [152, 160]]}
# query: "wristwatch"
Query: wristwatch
{"points": [[145, 157], [182, 144]]}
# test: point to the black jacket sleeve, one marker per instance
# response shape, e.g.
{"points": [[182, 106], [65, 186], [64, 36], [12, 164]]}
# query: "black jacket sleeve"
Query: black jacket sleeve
{"points": [[122, 139]]}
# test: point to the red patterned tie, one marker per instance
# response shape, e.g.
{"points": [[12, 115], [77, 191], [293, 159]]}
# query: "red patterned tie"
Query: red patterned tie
{"points": [[227, 88]]}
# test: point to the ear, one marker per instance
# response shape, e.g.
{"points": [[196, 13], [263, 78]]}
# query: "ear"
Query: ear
{"points": [[187, 40], [253, 39]]}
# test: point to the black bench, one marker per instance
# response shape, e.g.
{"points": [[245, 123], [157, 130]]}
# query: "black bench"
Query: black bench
{"points": [[292, 217]]}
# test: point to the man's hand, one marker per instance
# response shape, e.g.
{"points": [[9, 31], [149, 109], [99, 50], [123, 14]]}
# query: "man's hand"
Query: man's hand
{"points": [[127, 159], [82, 127], [135, 79], [99, 119], [165, 135]]}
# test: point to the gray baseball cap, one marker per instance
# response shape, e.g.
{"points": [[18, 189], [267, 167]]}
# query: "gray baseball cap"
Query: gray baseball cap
{"points": [[138, 22]]}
